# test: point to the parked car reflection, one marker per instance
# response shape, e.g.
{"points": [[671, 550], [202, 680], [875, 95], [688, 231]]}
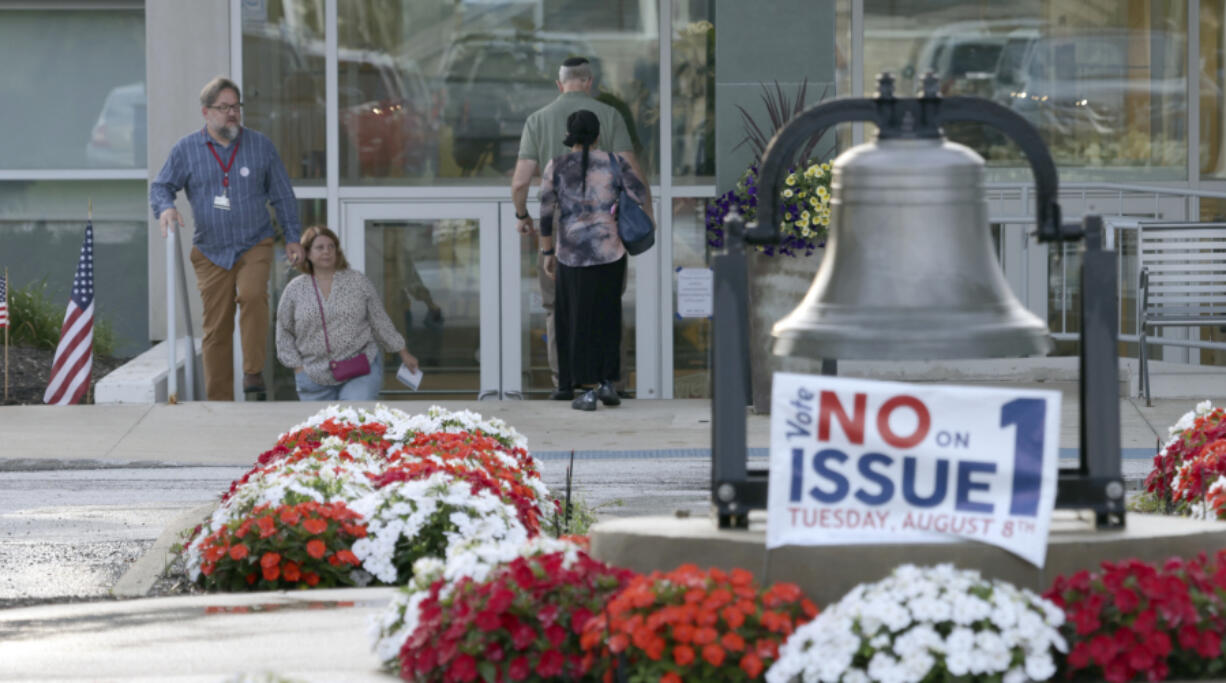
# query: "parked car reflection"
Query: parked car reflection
{"points": [[492, 82], [388, 117], [118, 138]]}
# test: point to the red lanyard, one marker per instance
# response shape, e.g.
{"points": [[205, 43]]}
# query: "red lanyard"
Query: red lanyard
{"points": [[225, 168]]}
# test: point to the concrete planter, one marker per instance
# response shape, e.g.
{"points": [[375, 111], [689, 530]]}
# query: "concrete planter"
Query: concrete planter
{"points": [[776, 286]]}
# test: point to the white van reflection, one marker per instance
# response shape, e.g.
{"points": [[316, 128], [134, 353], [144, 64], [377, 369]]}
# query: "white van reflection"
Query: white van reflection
{"points": [[118, 138]]}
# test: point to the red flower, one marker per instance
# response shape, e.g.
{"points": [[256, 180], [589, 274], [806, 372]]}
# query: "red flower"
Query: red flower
{"points": [[683, 655], [752, 665], [670, 677], [488, 620], [316, 548], [1209, 645], [238, 552], [551, 664], [291, 571], [519, 668], [270, 559], [315, 526], [346, 556], [713, 654], [289, 516], [311, 578], [463, 668]]}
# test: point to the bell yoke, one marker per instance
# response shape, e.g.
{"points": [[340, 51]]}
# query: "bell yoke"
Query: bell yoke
{"points": [[909, 272]]}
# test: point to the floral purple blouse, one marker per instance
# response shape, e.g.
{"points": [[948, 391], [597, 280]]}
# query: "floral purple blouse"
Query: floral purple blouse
{"points": [[586, 225]]}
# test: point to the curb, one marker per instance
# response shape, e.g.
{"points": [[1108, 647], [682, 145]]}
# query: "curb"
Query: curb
{"points": [[140, 577]]}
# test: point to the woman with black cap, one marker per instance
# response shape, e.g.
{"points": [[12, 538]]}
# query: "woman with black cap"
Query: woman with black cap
{"points": [[579, 191]]}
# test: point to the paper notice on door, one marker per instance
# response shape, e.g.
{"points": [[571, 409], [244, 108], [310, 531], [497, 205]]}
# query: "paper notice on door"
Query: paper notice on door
{"points": [[694, 292], [409, 378]]}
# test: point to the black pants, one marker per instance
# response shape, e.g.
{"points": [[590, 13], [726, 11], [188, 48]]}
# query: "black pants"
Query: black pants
{"points": [[588, 320]]}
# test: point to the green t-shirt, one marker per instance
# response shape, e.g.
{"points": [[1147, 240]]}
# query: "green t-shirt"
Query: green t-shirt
{"points": [[546, 128]]}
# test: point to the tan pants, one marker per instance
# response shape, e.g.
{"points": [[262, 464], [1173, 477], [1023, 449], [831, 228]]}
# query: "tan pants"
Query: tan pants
{"points": [[244, 285]]}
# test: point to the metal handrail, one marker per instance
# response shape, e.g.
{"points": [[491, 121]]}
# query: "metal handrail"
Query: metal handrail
{"points": [[176, 281]]}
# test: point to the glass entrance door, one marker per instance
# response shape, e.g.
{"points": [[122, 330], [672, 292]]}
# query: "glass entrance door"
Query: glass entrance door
{"points": [[436, 269]]}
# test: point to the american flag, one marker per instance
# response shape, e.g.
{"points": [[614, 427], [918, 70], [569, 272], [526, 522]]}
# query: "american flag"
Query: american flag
{"points": [[4, 301], [74, 357]]}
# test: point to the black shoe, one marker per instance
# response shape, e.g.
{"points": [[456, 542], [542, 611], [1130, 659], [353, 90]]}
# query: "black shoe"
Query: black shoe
{"points": [[586, 401], [607, 394], [562, 394]]}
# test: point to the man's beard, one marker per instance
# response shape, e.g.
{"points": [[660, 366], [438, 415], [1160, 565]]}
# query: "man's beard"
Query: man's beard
{"points": [[228, 132]]}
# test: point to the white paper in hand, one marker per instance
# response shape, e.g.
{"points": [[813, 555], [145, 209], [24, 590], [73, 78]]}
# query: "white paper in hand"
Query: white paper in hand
{"points": [[409, 378]]}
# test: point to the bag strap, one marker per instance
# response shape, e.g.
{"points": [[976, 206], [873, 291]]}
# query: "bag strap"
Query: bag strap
{"points": [[319, 300], [617, 173]]}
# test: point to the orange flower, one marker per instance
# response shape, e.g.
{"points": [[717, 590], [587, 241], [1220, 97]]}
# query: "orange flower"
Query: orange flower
{"points": [[741, 577], [642, 636], [267, 525], [683, 633], [291, 572], [809, 608], [270, 559], [705, 636], [348, 557], [289, 516], [238, 552], [713, 654], [618, 642], [751, 664], [733, 642], [733, 616], [315, 526], [316, 548], [683, 655], [655, 648]]}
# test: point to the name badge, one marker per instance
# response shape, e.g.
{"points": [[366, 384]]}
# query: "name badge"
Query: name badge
{"points": [[221, 202]]}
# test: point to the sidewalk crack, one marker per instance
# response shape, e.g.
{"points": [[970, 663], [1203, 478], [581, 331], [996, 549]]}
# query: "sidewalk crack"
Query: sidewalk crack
{"points": [[1154, 430], [133, 426]]}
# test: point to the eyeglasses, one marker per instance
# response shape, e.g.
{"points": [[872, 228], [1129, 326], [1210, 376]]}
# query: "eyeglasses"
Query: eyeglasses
{"points": [[229, 108]]}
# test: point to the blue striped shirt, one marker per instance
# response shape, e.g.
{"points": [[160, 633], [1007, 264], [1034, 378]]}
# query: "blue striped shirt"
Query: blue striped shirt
{"points": [[257, 178]]}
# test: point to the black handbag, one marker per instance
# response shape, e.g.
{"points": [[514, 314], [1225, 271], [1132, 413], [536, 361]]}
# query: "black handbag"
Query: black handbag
{"points": [[634, 226]]}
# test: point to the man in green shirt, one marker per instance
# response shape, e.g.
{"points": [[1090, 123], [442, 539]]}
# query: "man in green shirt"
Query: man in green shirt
{"points": [[542, 141]]}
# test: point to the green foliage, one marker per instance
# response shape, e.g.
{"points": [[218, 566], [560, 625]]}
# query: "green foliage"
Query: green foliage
{"points": [[35, 320], [582, 516]]}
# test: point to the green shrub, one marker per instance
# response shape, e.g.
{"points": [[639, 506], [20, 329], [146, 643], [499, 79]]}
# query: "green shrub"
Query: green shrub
{"points": [[35, 320]]}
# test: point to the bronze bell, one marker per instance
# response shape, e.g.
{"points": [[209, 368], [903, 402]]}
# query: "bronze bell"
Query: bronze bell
{"points": [[909, 270]]}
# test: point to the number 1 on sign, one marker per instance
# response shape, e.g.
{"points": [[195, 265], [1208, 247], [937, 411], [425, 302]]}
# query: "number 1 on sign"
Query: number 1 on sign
{"points": [[1027, 416]]}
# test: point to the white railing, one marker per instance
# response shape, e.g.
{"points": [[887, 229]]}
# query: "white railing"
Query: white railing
{"points": [[1122, 207], [176, 288]]}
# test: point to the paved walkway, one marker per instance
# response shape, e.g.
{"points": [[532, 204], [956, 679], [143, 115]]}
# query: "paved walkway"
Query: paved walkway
{"points": [[208, 433], [211, 638]]}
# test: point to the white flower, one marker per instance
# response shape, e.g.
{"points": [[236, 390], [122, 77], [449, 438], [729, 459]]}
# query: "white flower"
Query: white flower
{"points": [[986, 635]]}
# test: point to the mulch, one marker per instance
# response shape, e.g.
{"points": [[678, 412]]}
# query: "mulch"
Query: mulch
{"points": [[29, 371]]}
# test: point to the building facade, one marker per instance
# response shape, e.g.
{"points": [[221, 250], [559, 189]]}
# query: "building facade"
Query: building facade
{"points": [[399, 122]]}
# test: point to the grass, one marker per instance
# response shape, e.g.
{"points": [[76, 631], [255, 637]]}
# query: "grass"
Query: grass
{"points": [[35, 320]]}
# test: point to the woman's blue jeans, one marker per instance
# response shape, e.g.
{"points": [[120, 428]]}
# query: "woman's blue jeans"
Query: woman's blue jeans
{"points": [[363, 388]]}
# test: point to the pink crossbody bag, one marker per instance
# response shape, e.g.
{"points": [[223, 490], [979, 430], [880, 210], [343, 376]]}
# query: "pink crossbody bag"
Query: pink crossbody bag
{"points": [[341, 369]]}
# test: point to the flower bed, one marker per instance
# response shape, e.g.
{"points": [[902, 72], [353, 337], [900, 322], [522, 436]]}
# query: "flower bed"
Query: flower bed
{"points": [[693, 625], [920, 624], [1132, 620], [504, 612], [1189, 475], [395, 488]]}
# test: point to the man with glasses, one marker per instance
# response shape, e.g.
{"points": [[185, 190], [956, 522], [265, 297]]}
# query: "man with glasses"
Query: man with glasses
{"points": [[230, 174], [541, 141]]}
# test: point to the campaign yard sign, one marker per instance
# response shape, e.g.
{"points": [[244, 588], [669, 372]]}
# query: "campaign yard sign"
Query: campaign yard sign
{"points": [[858, 461]]}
